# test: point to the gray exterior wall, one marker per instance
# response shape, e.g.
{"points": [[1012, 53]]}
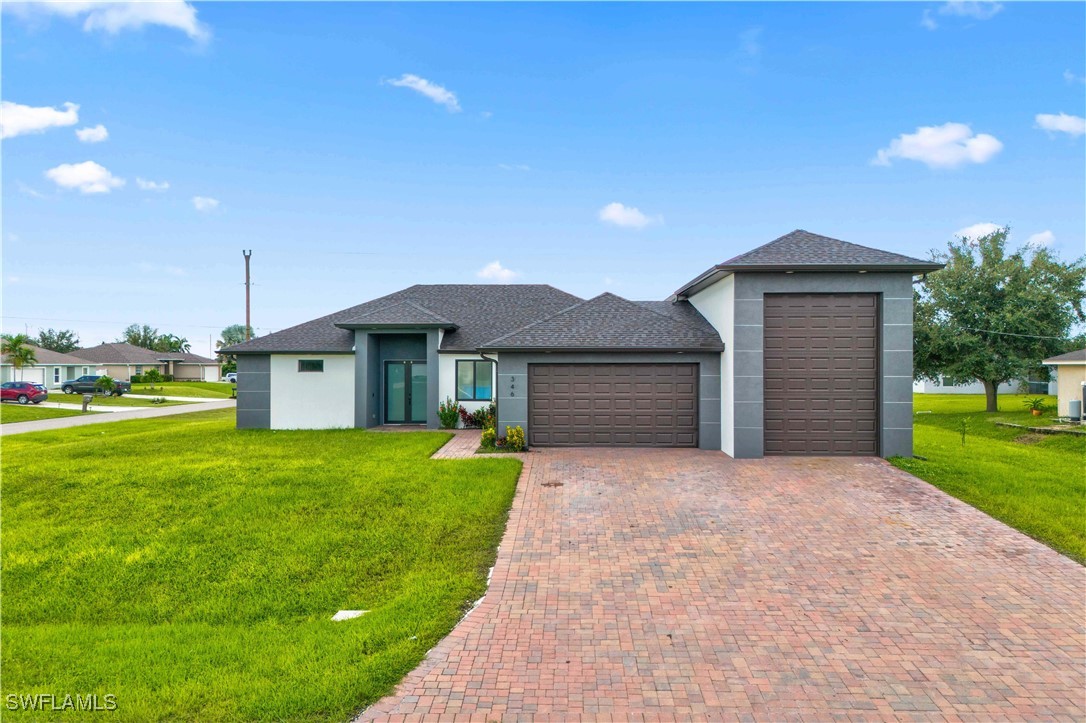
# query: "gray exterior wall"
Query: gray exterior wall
{"points": [[254, 391], [512, 394], [895, 351]]}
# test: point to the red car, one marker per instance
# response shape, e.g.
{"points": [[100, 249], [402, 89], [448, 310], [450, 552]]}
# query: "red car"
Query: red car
{"points": [[22, 392]]}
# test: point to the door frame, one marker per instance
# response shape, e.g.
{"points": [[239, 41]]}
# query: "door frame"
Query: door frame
{"points": [[407, 389]]}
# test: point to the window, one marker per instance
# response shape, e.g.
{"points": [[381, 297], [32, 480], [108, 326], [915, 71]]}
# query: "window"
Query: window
{"points": [[474, 381], [85, 372], [311, 365], [139, 369], [56, 375]]}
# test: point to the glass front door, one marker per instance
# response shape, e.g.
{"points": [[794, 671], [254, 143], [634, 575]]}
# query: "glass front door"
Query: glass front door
{"points": [[405, 392]]}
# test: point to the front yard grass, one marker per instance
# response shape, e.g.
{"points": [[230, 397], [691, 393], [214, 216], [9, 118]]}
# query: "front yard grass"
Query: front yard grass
{"points": [[208, 390], [191, 569], [104, 401], [1033, 482], [10, 413]]}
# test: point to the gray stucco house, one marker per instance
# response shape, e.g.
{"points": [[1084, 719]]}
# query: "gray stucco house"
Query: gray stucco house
{"points": [[802, 346]]}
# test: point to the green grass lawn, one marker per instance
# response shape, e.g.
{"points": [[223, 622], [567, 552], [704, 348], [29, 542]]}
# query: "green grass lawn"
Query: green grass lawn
{"points": [[1035, 483], [209, 390], [101, 401], [29, 412], [191, 569]]}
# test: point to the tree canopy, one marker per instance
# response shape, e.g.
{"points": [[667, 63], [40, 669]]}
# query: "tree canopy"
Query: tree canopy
{"points": [[148, 337], [234, 334], [993, 316], [17, 352], [63, 341]]}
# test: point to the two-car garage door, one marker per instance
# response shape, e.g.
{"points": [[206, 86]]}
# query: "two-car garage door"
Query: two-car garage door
{"points": [[821, 374], [613, 405]]}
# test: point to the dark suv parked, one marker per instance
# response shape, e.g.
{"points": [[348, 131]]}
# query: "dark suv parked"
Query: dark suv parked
{"points": [[85, 385]]}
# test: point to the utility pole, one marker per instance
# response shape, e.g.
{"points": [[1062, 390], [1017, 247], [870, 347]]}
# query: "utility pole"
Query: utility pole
{"points": [[248, 318]]}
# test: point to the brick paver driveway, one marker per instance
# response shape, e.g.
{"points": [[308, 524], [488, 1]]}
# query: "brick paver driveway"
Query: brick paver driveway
{"points": [[681, 584]]}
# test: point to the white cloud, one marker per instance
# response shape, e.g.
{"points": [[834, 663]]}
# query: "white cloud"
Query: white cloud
{"points": [[87, 177], [33, 193], [1071, 78], [146, 185], [977, 230], [204, 204], [618, 214], [494, 271], [1041, 240], [971, 9], [1072, 125], [946, 146], [114, 16], [927, 21], [97, 134], [514, 167], [17, 120], [433, 91]]}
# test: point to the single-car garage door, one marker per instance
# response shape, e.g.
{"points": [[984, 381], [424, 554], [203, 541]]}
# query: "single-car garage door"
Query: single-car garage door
{"points": [[613, 405], [821, 374]]}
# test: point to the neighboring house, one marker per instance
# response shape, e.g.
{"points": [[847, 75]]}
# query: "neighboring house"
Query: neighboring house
{"points": [[1070, 378], [927, 386], [121, 360], [801, 346], [50, 369]]}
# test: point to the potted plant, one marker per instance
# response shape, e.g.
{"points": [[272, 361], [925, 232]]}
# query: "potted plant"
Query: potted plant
{"points": [[1036, 406]]}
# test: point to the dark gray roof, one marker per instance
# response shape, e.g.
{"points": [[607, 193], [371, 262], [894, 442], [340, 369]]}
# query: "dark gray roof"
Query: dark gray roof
{"points": [[805, 251], [681, 311], [480, 311], [612, 323], [1072, 357], [405, 313], [124, 353]]}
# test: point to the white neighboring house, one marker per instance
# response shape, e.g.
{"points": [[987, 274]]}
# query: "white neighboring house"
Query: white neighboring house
{"points": [[50, 369], [927, 386], [1070, 378]]}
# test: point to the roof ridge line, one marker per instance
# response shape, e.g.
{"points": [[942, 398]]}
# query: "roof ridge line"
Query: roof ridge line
{"points": [[684, 322], [537, 321]]}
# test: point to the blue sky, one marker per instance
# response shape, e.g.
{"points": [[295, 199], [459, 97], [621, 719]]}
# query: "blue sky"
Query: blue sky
{"points": [[361, 148]]}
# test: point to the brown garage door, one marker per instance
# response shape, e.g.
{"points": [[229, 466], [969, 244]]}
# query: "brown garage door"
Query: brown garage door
{"points": [[613, 405], [821, 374]]}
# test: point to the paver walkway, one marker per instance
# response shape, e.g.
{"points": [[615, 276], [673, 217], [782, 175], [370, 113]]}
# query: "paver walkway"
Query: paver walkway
{"points": [[667, 584], [41, 425]]}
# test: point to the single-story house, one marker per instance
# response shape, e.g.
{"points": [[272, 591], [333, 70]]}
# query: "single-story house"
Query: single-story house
{"points": [[50, 368], [1070, 378], [802, 346], [941, 386], [121, 360]]}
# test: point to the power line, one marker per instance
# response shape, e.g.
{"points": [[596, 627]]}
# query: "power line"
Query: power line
{"points": [[1007, 333], [102, 321]]}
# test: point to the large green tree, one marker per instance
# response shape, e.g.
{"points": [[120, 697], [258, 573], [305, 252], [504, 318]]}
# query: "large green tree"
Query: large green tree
{"points": [[993, 316], [16, 349], [60, 340], [140, 335], [172, 342], [234, 334]]}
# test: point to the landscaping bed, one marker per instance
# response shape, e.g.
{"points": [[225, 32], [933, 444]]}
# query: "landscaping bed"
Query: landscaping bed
{"points": [[1033, 482], [191, 569], [108, 401]]}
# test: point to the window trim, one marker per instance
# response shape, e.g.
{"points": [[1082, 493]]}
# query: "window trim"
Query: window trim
{"points": [[474, 380], [310, 361]]}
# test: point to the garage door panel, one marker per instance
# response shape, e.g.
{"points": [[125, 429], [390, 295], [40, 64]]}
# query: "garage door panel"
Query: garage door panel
{"points": [[613, 404], [820, 374]]}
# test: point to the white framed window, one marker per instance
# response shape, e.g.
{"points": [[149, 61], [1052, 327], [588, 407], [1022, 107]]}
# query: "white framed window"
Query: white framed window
{"points": [[86, 371], [56, 375], [139, 369]]}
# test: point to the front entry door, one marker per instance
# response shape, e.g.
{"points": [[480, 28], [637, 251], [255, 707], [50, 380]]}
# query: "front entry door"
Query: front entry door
{"points": [[405, 392]]}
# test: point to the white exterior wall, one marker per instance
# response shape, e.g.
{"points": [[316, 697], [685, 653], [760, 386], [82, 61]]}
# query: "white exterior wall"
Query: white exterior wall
{"points": [[446, 380], [1070, 379], [312, 400], [717, 304]]}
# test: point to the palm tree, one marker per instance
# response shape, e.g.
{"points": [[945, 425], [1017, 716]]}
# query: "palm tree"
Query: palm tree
{"points": [[16, 347]]}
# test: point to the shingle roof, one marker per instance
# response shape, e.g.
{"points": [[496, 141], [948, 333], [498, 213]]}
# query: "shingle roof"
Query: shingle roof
{"points": [[1072, 357], [480, 311], [124, 353], [48, 356], [805, 251], [405, 313], [612, 323]]}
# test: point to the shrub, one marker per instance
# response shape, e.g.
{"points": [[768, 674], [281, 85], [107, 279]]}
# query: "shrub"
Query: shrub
{"points": [[479, 419], [136, 379], [152, 376], [158, 400], [105, 385], [514, 438], [489, 440], [448, 412]]}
